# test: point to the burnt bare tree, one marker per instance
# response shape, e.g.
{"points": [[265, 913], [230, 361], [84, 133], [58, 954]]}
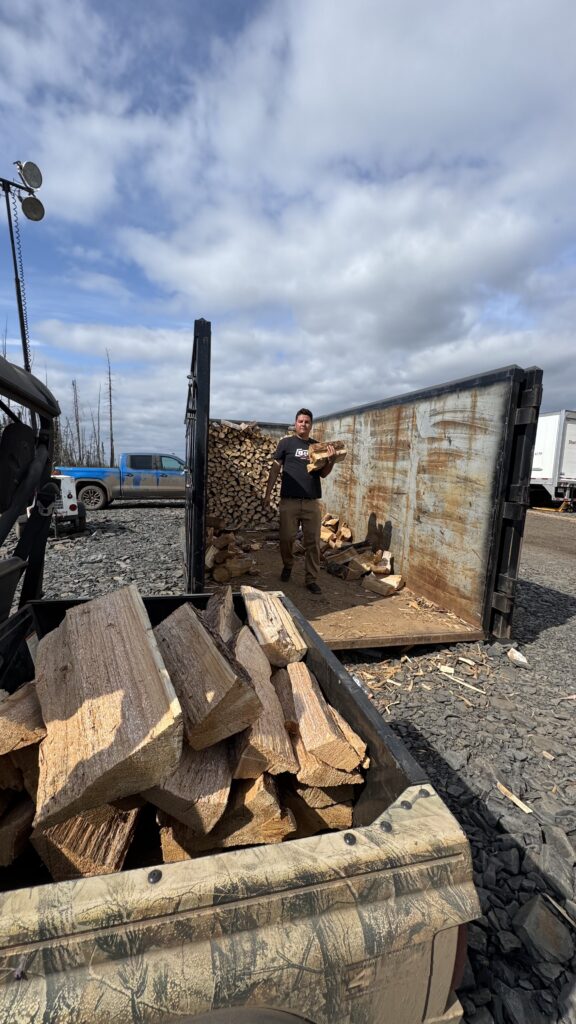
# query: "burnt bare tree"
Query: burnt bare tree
{"points": [[112, 458]]}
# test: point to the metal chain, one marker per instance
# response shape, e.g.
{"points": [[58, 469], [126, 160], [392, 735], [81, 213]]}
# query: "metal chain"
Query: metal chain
{"points": [[18, 244]]}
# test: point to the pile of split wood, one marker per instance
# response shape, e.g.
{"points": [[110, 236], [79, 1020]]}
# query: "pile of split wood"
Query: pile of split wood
{"points": [[218, 732], [239, 460], [229, 555], [357, 561]]}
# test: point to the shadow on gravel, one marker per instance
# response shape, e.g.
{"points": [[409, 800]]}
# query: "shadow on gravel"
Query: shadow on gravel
{"points": [[539, 608], [522, 954]]}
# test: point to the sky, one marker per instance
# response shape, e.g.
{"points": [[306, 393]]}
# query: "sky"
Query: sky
{"points": [[363, 197]]}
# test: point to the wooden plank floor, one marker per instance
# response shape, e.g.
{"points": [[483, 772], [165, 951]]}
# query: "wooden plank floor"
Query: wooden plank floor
{"points": [[347, 616]]}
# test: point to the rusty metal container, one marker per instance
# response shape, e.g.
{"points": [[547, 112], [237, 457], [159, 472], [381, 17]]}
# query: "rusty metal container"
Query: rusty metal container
{"points": [[441, 477]]}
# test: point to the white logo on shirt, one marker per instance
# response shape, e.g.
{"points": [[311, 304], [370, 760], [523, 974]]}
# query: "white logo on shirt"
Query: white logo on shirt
{"points": [[301, 453]]}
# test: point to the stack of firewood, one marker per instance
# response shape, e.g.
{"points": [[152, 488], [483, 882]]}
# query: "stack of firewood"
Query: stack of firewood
{"points": [[239, 460], [218, 729], [357, 561], [229, 555]]}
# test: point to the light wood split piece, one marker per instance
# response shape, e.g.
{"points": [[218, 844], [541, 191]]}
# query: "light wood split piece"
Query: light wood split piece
{"points": [[114, 724], [197, 793], [215, 692], [319, 732], [273, 627], [21, 722], [265, 746]]}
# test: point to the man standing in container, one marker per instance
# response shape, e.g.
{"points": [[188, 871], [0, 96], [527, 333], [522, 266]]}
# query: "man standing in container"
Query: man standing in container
{"points": [[300, 493]]}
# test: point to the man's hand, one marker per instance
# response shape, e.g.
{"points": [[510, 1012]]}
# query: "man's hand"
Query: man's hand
{"points": [[331, 452]]}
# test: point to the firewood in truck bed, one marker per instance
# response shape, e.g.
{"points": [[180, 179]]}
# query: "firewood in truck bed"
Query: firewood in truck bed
{"points": [[215, 692], [317, 726], [265, 746], [273, 627], [93, 842], [21, 722], [196, 794], [114, 725], [254, 817]]}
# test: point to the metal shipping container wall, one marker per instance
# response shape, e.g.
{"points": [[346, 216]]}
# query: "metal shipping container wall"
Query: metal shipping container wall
{"points": [[433, 475]]}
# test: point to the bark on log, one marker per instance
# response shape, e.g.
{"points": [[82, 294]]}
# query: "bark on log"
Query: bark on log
{"points": [[220, 615]]}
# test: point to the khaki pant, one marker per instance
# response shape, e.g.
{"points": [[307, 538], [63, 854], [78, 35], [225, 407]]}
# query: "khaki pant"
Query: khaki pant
{"points": [[294, 511]]}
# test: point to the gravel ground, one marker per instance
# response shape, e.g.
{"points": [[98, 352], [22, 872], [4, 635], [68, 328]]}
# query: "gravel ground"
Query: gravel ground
{"points": [[473, 719]]}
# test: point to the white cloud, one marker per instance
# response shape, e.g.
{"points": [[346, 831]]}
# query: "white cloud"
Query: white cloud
{"points": [[364, 198]]}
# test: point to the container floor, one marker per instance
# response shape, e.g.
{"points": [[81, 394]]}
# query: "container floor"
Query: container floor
{"points": [[348, 616]]}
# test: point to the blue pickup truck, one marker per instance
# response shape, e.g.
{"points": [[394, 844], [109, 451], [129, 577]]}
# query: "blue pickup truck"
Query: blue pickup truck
{"points": [[139, 475]]}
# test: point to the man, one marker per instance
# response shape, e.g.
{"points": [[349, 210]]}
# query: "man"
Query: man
{"points": [[300, 493]]}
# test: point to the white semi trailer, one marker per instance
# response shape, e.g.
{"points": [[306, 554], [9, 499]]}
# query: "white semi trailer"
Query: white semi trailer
{"points": [[553, 476]]}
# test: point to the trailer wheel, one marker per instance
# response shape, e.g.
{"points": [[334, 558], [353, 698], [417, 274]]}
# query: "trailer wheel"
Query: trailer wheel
{"points": [[93, 497]]}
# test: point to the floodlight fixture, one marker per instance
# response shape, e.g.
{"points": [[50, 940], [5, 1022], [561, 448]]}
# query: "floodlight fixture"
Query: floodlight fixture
{"points": [[30, 173], [32, 208]]}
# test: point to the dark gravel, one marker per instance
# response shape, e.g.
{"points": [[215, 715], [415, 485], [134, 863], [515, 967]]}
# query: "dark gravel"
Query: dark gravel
{"points": [[519, 731], [480, 721]]}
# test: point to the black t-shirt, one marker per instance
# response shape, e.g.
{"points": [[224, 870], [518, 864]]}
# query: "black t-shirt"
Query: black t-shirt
{"points": [[297, 482]]}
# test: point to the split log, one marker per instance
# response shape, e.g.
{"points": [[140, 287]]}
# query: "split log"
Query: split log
{"points": [[15, 829], [210, 556], [215, 692], [21, 722], [224, 540], [382, 563], [310, 820], [281, 683], [94, 842], [332, 522], [313, 772], [114, 724], [316, 797], [383, 585], [273, 627], [197, 793], [317, 727], [265, 746], [355, 741], [239, 566], [254, 817], [318, 454], [220, 615], [220, 574]]}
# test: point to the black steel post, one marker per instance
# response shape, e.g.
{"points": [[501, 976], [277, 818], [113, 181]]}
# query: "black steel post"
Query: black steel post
{"points": [[23, 332], [197, 423]]}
